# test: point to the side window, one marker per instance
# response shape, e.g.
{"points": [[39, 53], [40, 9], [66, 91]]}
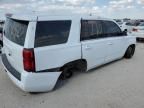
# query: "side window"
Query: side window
{"points": [[91, 29], [111, 29], [52, 32]]}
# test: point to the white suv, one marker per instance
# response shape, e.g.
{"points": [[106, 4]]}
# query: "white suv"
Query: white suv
{"points": [[38, 50]]}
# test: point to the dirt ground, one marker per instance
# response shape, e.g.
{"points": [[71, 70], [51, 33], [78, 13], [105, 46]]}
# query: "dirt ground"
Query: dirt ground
{"points": [[116, 85]]}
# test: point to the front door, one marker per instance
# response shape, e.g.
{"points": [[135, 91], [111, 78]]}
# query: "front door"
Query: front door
{"points": [[115, 41]]}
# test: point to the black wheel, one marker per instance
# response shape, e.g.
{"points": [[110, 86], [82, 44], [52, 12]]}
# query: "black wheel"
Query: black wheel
{"points": [[130, 52], [66, 73]]}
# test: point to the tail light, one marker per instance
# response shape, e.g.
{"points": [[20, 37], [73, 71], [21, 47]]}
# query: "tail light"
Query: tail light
{"points": [[29, 60], [135, 30]]}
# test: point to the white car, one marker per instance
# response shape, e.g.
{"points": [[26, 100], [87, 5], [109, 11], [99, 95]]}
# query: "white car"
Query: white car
{"points": [[128, 26], [38, 50], [138, 31]]}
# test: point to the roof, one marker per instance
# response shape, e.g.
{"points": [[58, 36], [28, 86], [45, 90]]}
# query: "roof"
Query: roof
{"points": [[39, 16]]}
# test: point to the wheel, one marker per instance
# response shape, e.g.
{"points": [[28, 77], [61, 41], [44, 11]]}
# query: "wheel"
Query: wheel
{"points": [[130, 52], [66, 73]]}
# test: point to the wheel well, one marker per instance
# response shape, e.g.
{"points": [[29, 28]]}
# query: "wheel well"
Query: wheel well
{"points": [[78, 65]]}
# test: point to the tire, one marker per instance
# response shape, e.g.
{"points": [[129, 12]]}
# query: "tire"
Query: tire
{"points": [[66, 73], [130, 52]]}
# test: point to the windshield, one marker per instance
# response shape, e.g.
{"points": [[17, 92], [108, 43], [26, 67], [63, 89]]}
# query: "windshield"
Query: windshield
{"points": [[15, 30]]}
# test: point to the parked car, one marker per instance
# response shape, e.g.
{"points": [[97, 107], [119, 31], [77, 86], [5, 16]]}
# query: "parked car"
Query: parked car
{"points": [[129, 26], [138, 31], [38, 50]]}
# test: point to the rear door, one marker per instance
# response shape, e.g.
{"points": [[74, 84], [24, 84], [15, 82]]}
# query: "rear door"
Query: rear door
{"points": [[14, 39], [52, 49], [94, 47]]}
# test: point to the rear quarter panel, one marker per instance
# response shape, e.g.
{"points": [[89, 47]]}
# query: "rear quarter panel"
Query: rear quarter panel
{"points": [[129, 40], [56, 56]]}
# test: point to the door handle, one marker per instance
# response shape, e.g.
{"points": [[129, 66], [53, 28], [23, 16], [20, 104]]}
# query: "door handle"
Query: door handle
{"points": [[87, 47]]}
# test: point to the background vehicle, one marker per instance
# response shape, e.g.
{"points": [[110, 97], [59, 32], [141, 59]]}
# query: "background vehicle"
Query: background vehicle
{"points": [[138, 31], [40, 49], [129, 26]]}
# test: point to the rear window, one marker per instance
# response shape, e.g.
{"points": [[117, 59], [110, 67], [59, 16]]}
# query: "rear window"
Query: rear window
{"points": [[52, 32], [15, 30]]}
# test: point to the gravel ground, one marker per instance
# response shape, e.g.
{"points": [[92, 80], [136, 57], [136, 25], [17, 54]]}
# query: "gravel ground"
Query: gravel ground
{"points": [[115, 85]]}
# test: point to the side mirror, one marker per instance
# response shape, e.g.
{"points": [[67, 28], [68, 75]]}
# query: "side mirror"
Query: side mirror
{"points": [[125, 32]]}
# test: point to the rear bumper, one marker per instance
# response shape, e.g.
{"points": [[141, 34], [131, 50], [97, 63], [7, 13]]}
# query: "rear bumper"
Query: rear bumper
{"points": [[31, 82]]}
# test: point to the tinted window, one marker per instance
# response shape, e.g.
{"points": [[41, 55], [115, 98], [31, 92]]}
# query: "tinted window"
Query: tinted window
{"points": [[111, 29], [15, 30], [91, 30], [52, 33]]}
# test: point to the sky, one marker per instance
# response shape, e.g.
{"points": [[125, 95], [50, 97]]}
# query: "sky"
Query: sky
{"points": [[105, 8]]}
